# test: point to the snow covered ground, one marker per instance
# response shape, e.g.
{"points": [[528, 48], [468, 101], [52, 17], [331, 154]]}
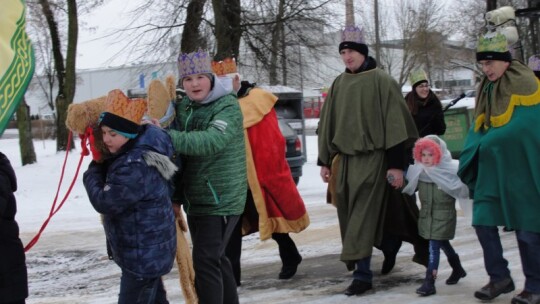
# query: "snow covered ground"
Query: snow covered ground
{"points": [[69, 264]]}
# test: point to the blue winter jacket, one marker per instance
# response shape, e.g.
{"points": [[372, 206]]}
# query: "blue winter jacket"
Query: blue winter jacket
{"points": [[131, 190]]}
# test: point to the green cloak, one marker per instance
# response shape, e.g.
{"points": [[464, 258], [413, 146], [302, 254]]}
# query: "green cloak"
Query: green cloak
{"points": [[499, 162], [363, 115]]}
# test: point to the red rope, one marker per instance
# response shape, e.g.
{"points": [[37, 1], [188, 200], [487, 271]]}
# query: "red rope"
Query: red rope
{"points": [[53, 210]]}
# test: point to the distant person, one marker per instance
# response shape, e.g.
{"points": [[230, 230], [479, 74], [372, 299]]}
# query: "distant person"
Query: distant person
{"points": [[364, 132], [274, 206], [434, 175], [500, 165], [138, 218], [425, 106], [13, 274], [209, 136], [534, 64]]}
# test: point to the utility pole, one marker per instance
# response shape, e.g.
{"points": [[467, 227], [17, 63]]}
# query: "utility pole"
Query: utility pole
{"points": [[349, 13], [377, 35]]}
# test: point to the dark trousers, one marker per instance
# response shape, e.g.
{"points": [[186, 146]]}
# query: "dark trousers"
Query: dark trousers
{"points": [[401, 224], [134, 290], [494, 262], [497, 266], [234, 251], [363, 270], [529, 251], [214, 280], [288, 252]]}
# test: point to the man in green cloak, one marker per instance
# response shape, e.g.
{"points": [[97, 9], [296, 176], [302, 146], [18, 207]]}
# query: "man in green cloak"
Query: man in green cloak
{"points": [[501, 167], [364, 130]]}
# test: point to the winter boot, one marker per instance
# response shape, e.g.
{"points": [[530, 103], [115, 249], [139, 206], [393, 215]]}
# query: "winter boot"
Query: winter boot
{"points": [[357, 287], [495, 289], [428, 287], [457, 271], [290, 257]]}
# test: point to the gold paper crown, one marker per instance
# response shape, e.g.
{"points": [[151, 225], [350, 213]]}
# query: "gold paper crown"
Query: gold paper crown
{"points": [[492, 42], [353, 34], [227, 66], [119, 104], [194, 63], [417, 76]]}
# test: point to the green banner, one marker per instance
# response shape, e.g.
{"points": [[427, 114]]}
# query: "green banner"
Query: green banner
{"points": [[16, 58]]}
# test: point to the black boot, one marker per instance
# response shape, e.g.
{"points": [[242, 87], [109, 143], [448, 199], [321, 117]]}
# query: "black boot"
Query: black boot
{"points": [[428, 287], [457, 271], [357, 287], [290, 257]]}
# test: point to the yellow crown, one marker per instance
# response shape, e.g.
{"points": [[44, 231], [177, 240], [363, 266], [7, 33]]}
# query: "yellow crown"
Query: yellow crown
{"points": [[492, 42], [119, 104], [417, 76], [224, 67], [194, 63]]}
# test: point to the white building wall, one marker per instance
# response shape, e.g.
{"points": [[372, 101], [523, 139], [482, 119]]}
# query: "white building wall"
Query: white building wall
{"points": [[93, 83]]}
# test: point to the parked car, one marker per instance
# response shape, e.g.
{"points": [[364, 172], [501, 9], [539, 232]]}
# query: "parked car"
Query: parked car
{"points": [[467, 102], [293, 150], [290, 112]]}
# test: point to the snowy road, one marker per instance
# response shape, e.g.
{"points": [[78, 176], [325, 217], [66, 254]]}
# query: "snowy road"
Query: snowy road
{"points": [[69, 263]]}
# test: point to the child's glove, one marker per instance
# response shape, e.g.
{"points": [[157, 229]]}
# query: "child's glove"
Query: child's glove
{"points": [[88, 139]]}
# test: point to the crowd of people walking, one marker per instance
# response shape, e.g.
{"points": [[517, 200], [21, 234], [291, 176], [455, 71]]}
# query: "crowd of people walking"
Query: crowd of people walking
{"points": [[221, 160]]}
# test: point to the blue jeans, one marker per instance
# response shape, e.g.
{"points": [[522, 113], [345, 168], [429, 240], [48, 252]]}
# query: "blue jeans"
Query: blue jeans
{"points": [[497, 266], [134, 290], [363, 271], [435, 247]]}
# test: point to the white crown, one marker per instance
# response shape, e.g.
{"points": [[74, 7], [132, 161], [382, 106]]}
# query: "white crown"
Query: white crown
{"points": [[353, 34]]}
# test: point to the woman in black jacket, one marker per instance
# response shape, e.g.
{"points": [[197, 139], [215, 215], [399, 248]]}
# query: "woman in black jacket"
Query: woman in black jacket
{"points": [[13, 275], [425, 106]]}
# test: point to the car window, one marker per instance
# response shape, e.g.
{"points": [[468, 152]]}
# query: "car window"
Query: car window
{"points": [[286, 130]]}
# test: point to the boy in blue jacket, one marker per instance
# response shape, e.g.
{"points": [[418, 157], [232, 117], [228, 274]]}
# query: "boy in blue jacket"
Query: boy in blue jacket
{"points": [[131, 189]]}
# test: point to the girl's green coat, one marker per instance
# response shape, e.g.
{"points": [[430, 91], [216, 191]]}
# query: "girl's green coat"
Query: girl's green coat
{"points": [[437, 220]]}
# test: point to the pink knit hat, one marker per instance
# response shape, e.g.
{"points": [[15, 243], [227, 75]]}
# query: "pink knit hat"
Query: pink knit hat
{"points": [[427, 144]]}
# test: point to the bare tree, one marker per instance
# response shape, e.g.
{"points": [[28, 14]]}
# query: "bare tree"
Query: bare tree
{"points": [[191, 36], [65, 70], [227, 18], [279, 34], [468, 21], [45, 72], [24, 124], [414, 35]]}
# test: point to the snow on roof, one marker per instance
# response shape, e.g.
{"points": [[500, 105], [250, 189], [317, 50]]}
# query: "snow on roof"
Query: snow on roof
{"points": [[279, 89], [467, 102]]}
